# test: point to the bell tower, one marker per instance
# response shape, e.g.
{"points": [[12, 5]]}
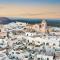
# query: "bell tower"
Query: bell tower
{"points": [[43, 28]]}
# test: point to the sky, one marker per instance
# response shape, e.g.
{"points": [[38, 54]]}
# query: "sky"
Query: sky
{"points": [[30, 8]]}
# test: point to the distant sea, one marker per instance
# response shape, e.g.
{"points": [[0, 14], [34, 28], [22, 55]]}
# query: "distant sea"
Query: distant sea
{"points": [[50, 22]]}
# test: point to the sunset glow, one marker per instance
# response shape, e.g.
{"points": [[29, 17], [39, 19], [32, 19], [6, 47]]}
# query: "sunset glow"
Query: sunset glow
{"points": [[30, 9]]}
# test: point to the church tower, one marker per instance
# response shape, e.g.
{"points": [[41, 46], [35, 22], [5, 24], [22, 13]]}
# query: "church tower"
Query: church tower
{"points": [[43, 27]]}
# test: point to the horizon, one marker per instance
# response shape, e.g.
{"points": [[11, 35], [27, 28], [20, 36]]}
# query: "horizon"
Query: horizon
{"points": [[10, 17], [50, 22]]}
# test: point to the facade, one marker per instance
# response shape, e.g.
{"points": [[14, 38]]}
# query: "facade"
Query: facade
{"points": [[44, 57], [43, 26]]}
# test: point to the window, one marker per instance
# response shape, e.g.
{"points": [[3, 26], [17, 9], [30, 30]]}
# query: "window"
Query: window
{"points": [[38, 42], [27, 34], [38, 58], [12, 52], [0, 30], [43, 43], [26, 56], [40, 26], [59, 43], [17, 53], [47, 43], [54, 44], [47, 58]]}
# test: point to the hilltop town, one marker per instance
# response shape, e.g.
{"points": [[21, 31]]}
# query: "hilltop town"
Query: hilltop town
{"points": [[23, 41]]}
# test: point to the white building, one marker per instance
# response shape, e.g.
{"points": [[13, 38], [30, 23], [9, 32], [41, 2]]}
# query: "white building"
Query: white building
{"points": [[43, 57], [21, 24], [3, 43]]}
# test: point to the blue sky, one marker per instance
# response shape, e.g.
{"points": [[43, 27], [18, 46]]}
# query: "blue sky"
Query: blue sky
{"points": [[29, 2]]}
